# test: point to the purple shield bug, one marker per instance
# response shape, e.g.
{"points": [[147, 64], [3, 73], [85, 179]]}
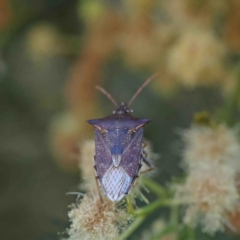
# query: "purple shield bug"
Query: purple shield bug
{"points": [[119, 150]]}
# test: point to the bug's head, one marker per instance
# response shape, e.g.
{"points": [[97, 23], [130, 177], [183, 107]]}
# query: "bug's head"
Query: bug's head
{"points": [[122, 109]]}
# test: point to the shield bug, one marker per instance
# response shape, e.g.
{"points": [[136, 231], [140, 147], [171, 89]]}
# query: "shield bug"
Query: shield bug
{"points": [[119, 150]]}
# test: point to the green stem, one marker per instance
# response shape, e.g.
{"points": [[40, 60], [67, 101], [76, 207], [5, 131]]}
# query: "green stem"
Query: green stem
{"points": [[174, 215], [130, 205], [191, 234], [152, 207], [143, 212], [232, 104], [171, 228], [137, 222], [163, 232], [155, 187]]}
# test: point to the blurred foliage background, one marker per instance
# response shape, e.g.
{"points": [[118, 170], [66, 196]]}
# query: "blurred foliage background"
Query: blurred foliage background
{"points": [[53, 53]]}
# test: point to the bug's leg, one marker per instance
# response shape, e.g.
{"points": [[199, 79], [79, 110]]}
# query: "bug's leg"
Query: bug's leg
{"points": [[145, 160], [98, 189], [144, 144], [132, 184], [144, 153], [97, 182], [134, 179]]}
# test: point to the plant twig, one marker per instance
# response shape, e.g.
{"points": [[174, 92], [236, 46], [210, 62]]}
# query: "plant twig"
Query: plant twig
{"points": [[231, 105], [135, 224], [130, 205], [168, 229], [155, 187], [152, 207]]}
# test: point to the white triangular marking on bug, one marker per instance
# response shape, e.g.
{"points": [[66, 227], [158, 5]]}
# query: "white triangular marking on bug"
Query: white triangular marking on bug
{"points": [[116, 183], [116, 159]]}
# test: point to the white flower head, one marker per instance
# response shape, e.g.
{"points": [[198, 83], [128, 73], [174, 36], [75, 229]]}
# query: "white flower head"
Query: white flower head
{"points": [[94, 219], [211, 158], [208, 193], [206, 145]]}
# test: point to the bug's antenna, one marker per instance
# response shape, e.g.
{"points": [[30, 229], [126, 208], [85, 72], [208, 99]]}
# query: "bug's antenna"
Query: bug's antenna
{"points": [[141, 88], [108, 95]]}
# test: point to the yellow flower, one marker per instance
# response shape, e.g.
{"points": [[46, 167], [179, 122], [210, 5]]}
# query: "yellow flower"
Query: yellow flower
{"points": [[197, 58], [43, 42]]}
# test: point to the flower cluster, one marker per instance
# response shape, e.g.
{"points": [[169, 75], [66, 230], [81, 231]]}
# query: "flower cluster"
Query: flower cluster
{"points": [[211, 158], [95, 219], [201, 50], [205, 145]]}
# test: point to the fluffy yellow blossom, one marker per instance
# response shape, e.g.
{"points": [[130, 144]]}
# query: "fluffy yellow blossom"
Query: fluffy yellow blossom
{"points": [[144, 43], [206, 145], [209, 193], [93, 219], [43, 41], [197, 58]]}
